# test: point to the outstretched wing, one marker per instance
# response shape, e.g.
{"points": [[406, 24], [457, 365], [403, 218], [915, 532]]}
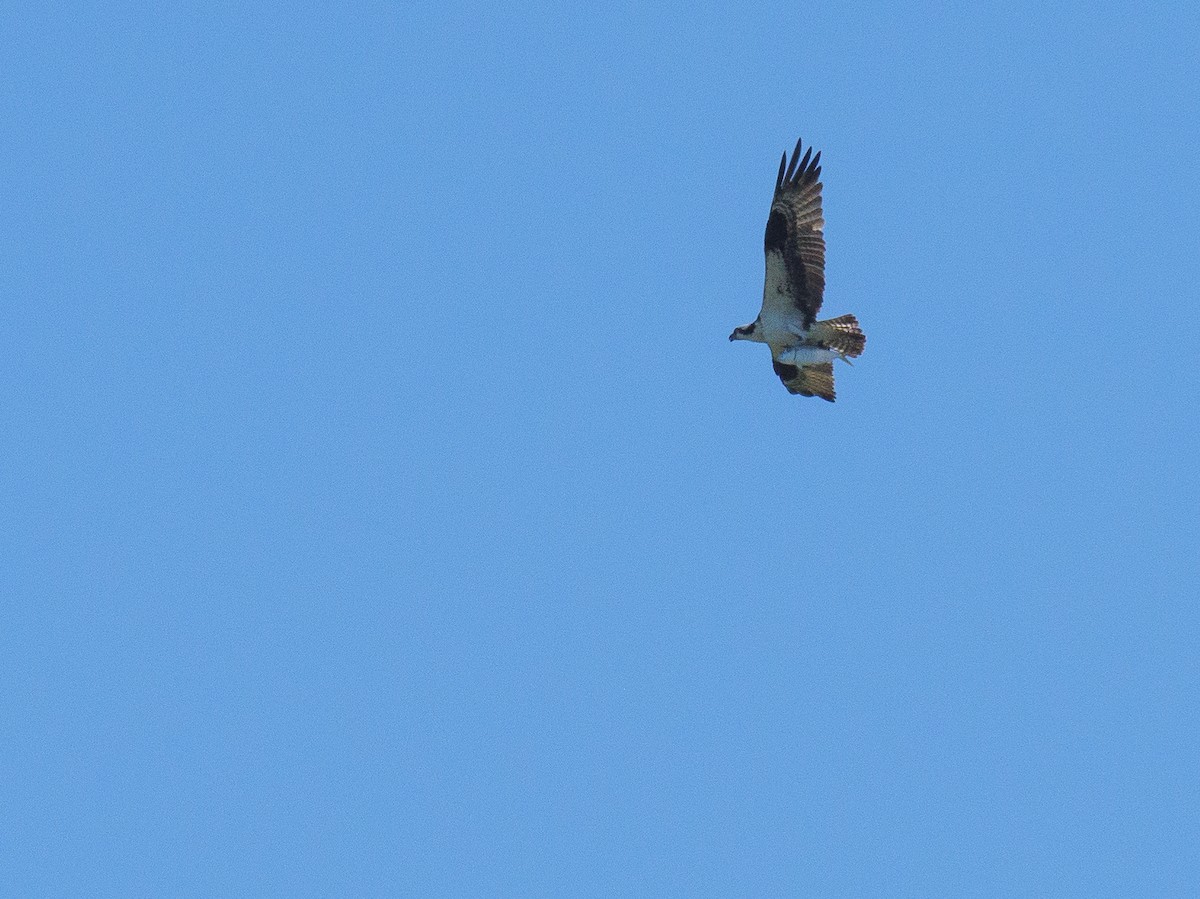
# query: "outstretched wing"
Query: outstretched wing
{"points": [[812, 379], [794, 244]]}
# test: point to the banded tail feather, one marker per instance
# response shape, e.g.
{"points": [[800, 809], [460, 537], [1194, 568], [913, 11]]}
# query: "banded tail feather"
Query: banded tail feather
{"points": [[842, 335]]}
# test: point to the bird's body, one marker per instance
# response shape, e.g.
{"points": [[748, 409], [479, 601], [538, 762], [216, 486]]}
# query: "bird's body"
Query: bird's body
{"points": [[802, 348]]}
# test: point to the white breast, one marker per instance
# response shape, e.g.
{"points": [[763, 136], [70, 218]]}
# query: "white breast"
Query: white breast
{"points": [[776, 329]]}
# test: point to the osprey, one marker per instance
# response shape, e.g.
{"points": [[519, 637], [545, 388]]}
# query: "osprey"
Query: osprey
{"points": [[802, 348]]}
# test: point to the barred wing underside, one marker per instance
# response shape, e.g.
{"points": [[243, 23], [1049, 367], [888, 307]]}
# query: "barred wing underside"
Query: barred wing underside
{"points": [[794, 243], [812, 379]]}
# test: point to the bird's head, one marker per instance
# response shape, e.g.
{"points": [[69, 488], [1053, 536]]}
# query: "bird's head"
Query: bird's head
{"points": [[744, 333]]}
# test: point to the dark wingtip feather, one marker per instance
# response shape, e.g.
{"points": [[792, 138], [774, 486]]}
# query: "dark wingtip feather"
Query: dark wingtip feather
{"points": [[802, 169], [798, 170], [791, 169]]}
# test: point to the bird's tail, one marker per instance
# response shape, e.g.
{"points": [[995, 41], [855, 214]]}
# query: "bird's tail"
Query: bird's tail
{"points": [[842, 335]]}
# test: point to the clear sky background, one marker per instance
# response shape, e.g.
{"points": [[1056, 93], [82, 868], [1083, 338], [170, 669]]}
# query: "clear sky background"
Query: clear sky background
{"points": [[386, 512]]}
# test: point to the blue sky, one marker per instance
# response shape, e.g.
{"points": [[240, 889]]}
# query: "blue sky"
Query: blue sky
{"points": [[386, 512]]}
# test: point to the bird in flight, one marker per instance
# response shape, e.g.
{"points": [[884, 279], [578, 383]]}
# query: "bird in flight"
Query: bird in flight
{"points": [[802, 348]]}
